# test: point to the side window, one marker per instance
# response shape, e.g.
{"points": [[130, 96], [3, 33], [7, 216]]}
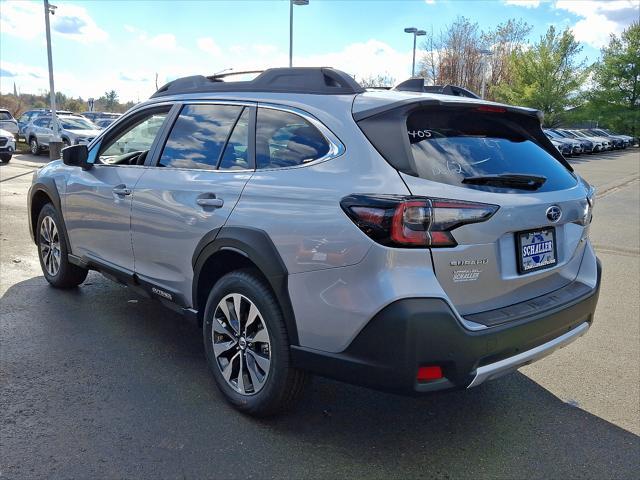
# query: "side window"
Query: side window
{"points": [[5, 116], [136, 138], [284, 139], [235, 156], [42, 122], [198, 136]]}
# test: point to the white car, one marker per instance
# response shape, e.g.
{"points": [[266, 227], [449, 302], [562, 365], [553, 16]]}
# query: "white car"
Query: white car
{"points": [[7, 122], [7, 145]]}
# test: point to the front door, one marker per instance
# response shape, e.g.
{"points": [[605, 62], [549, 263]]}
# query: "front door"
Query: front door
{"points": [[189, 192], [97, 207]]}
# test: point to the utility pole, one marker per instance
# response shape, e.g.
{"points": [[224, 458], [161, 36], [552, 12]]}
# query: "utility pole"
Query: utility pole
{"points": [[55, 142], [291, 4]]}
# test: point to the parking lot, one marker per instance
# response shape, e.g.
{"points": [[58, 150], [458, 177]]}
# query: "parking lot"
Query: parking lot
{"points": [[99, 382]]}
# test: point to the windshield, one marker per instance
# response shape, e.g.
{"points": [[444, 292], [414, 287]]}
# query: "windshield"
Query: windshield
{"points": [[76, 124], [451, 146]]}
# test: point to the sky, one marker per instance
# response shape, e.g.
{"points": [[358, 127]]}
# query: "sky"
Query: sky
{"points": [[101, 45]]}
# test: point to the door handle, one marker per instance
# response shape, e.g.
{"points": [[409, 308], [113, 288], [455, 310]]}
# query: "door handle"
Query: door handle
{"points": [[121, 190], [210, 201]]}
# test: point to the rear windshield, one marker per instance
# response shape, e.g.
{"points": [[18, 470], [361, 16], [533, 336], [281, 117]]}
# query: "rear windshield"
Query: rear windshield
{"points": [[451, 145]]}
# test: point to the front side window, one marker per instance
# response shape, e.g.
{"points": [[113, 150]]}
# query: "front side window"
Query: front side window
{"points": [[285, 139], [134, 141], [42, 122], [198, 136], [5, 116], [76, 124]]}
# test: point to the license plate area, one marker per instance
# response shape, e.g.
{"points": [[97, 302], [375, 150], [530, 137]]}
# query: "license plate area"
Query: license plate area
{"points": [[536, 249]]}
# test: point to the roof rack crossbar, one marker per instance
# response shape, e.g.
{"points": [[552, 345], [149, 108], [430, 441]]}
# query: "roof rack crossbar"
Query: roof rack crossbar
{"points": [[313, 80]]}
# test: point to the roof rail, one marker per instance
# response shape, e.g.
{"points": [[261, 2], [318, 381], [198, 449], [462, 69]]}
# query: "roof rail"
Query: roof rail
{"points": [[417, 85], [313, 80]]}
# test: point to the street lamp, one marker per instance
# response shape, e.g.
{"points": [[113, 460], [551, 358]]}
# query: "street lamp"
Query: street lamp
{"points": [[416, 33], [485, 53], [291, 4], [55, 142]]}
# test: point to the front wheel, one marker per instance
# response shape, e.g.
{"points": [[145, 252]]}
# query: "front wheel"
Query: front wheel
{"points": [[247, 347], [34, 148], [52, 251], [5, 157]]}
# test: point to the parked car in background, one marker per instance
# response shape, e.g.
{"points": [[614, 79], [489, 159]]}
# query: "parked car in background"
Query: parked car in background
{"points": [[7, 145], [587, 145], [30, 115], [606, 142], [7, 122], [95, 116], [617, 142], [563, 147], [598, 144], [628, 141], [103, 123], [576, 146], [74, 130]]}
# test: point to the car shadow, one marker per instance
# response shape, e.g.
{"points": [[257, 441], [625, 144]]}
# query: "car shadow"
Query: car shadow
{"points": [[100, 381]]}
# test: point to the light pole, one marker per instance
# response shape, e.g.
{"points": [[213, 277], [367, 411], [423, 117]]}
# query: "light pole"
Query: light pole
{"points": [[485, 53], [291, 4], [416, 33], [55, 142]]}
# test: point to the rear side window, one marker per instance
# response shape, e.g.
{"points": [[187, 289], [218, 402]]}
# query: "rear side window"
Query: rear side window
{"points": [[198, 136], [450, 145], [285, 139]]}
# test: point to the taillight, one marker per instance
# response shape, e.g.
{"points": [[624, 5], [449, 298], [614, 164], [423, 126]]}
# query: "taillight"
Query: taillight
{"points": [[417, 222]]}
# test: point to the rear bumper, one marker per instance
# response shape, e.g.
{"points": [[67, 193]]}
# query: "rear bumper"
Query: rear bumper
{"points": [[415, 332]]}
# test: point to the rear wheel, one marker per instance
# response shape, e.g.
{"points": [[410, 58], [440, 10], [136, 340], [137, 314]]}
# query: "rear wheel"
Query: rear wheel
{"points": [[247, 346], [52, 251]]}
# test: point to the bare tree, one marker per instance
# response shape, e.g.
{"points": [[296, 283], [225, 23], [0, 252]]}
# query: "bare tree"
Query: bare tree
{"points": [[454, 56], [380, 80]]}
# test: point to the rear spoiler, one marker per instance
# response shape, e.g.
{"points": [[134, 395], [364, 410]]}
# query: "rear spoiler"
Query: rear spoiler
{"points": [[385, 126]]}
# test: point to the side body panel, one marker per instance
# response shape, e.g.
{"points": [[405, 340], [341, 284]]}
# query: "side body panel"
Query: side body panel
{"points": [[168, 223], [97, 218]]}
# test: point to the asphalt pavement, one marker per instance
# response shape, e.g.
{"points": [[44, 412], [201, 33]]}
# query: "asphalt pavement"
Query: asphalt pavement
{"points": [[100, 383]]}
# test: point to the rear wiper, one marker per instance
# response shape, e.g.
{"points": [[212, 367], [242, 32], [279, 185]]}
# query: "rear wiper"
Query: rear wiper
{"points": [[515, 180]]}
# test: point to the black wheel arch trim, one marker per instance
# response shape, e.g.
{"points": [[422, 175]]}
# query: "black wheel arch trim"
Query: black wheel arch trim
{"points": [[257, 246], [48, 187]]}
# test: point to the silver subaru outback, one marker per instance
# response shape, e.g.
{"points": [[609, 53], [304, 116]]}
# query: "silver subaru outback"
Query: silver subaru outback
{"points": [[401, 240]]}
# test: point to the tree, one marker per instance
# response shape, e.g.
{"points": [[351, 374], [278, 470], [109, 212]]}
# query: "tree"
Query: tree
{"points": [[615, 96], [454, 56], [377, 81], [547, 76], [109, 100]]}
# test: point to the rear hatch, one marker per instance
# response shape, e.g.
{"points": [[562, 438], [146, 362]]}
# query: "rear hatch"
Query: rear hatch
{"points": [[497, 155]]}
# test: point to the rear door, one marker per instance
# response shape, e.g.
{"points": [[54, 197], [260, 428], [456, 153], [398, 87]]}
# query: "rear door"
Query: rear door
{"points": [[188, 193], [534, 243]]}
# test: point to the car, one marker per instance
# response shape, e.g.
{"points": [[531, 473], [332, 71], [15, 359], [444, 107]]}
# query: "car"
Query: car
{"points": [[616, 142], [564, 148], [576, 145], [598, 144], [95, 116], [626, 139], [402, 240], [30, 115], [7, 122], [7, 145], [73, 130], [604, 141], [588, 146], [104, 122]]}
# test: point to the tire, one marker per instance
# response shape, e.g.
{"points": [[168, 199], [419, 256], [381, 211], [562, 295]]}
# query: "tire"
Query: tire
{"points": [[5, 157], [52, 239], [34, 148], [282, 384], [66, 143]]}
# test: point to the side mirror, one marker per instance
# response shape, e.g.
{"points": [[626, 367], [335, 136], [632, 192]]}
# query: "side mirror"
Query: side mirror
{"points": [[76, 156]]}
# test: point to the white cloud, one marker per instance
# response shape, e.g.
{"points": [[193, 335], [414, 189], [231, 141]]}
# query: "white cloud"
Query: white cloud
{"points": [[209, 45], [600, 19], [162, 41], [26, 20], [523, 3], [430, 2]]}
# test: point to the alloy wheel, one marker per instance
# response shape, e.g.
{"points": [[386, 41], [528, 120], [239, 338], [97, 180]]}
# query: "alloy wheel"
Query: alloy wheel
{"points": [[50, 246], [241, 344], [34, 146]]}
